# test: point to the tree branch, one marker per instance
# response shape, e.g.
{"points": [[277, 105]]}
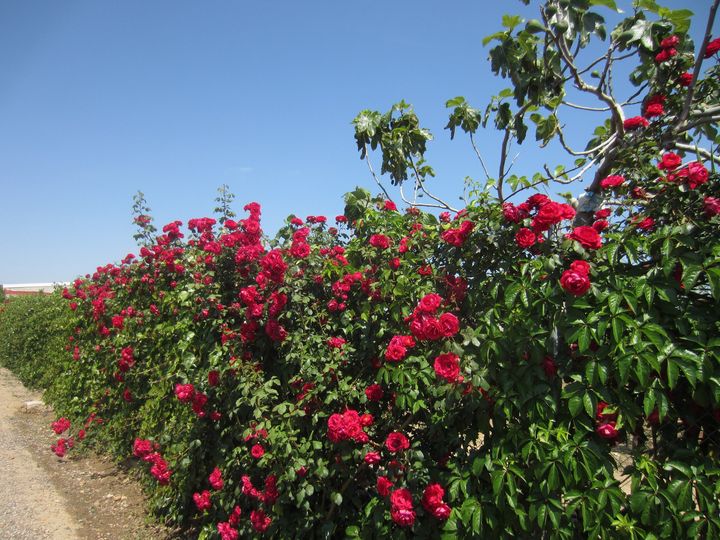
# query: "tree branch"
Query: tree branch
{"points": [[698, 64], [372, 171]]}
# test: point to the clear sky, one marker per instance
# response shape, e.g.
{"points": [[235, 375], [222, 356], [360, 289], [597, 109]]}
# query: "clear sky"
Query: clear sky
{"points": [[101, 99]]}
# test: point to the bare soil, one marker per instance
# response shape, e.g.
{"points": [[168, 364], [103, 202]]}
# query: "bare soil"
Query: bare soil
{"points": [[81, 496]]}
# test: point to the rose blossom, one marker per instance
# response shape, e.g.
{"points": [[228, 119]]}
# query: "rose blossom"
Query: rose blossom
{"points": [[607, 430], [712, 47], [384, 485], [586, 236], [374, 392], [612, 181], [447, 366], [575, 282], [202, 500], [525, 238], [669, 161], [636, 122], [711, 205], [215, 479], [396, 442]]}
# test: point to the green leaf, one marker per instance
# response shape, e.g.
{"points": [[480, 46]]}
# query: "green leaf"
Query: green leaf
{"points": [[575, 404], [511, 21], [606, 3], [673, 373], [590, 404]]}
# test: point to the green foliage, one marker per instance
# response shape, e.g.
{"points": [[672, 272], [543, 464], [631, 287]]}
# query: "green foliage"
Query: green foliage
{"points": [[33, 335], [550, 380]]}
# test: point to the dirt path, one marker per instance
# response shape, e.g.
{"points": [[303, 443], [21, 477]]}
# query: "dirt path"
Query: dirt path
{"points": [[45, 497]]}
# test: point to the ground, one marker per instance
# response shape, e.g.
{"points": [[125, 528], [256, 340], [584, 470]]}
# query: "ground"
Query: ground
{"points": [[77, 497]]}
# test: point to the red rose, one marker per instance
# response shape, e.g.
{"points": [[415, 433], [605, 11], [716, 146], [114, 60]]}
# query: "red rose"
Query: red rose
{"points": [[396, 442], [607, 430], [430, 303], [712, 47], [574, 282], [384, 485], [202, 500], [394, 263], [602, 213], [259, 520], [696, 175], [646, 224], [257, 451], [213, 377], [670, 161], [525, 238], [538, 200], [433, 502], [511, 212], [551, 213], [586, 236], [447, 366], [600, 225], [397, 349], [374, 392], [226, 531], [389, 206], [453, 237], [549, 366], [379, 241], [685, 79], [372, 458], [401, 509], [185, 392], [636, 122], [669, 42], [215, 479], [654, 109], [336, 342], [665, 55], [612, 181], [581, 267], [711, 205], [449, 325]]}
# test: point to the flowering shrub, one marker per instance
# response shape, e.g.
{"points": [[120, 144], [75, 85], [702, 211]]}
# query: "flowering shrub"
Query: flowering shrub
{"points": [[401, 374]]}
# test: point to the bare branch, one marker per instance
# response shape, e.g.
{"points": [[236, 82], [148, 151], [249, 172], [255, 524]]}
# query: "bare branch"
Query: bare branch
{"points": [[698, 64], [421, 184], [698, 150], [584, 108], [479, 156], [372, 171], [572, 152]]}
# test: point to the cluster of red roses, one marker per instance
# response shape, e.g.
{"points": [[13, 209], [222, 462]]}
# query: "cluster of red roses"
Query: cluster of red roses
{"points": [[425, 326], [186, 393], [349, 425], [149, 453], [457, 236], [543, 214]]}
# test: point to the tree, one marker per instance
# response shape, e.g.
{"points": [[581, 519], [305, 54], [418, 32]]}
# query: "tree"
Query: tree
{"points": [[566, 60]]}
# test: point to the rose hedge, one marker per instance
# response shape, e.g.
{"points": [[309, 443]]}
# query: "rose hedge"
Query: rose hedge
{"points": [[413, 376], [33, 331], [498, 372]]}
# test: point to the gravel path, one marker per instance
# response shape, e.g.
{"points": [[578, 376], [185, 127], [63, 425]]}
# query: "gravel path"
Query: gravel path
{"points": [[30, 507], [81, 496]]}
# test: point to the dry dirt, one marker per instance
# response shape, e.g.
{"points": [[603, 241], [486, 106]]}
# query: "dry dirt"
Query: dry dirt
{"points": [[76, 497]]}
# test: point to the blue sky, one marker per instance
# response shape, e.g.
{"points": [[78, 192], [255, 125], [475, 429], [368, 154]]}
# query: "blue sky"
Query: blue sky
{"points": [[174, 98]]}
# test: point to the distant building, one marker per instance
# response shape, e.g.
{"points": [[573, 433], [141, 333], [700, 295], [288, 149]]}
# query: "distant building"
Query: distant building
{"points": [[24, 289]]}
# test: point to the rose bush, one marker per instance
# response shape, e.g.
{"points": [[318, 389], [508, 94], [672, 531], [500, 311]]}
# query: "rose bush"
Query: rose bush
{"points": [[401, 375]]}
